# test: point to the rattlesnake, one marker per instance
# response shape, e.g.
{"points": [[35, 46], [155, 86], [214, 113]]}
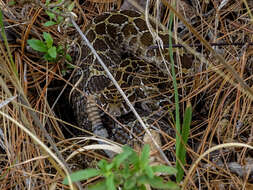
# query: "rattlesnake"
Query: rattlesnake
{"points": [[122, 40]]}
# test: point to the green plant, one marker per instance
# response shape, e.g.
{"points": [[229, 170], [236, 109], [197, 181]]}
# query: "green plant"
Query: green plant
{"points": [[128, 171], [51, 52], [181, 144], [55, 15], [182, 133]]}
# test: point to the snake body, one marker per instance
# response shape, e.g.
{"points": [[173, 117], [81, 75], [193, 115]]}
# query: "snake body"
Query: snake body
{"points": [[122, 39]]}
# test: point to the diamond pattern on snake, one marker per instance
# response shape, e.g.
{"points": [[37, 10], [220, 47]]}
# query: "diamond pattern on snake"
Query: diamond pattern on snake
{"points": [[122, 40]]}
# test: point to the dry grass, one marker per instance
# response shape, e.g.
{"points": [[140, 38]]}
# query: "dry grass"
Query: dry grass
{"points": [[223, 110]]}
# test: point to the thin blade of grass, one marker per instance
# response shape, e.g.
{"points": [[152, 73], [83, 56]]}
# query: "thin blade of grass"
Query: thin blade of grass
{"points": [[182, 146], [178, 127], [6, 43]]}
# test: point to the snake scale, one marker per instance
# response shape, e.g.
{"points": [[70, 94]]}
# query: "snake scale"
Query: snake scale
{"points": [[122, 40]]}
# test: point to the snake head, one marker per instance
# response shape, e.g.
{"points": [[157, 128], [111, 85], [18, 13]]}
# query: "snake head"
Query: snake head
{"points": [[118, 109], [115, 109]]}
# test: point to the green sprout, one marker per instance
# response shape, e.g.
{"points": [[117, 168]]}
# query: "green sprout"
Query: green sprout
{"points": [[51, 53], [127, 170]]}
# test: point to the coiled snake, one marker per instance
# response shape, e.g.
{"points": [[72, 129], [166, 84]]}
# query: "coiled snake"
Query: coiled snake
{"points": [[122, 40]]}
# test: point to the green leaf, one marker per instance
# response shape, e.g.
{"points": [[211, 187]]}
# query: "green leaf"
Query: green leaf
{"points": [[56, 9], [109, 166], [142, 187], [69, 58], [51, 15], [71, 6], [182, 148], [52, 52], [12, 2], [102, 165], [37, 45], [59, 49], [164, 169], [47, 2], [59, 19], [143, 179], [48, 57], [139, 187], [187, 123], [134, 158], [98, 186], [48, 39], [144, 159], [82, 175], [125, 172], [127, 151], [110, 182], [130, 183], [149, 171], [157, 182], [63, 72], [49, 23], [70, 66]]}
